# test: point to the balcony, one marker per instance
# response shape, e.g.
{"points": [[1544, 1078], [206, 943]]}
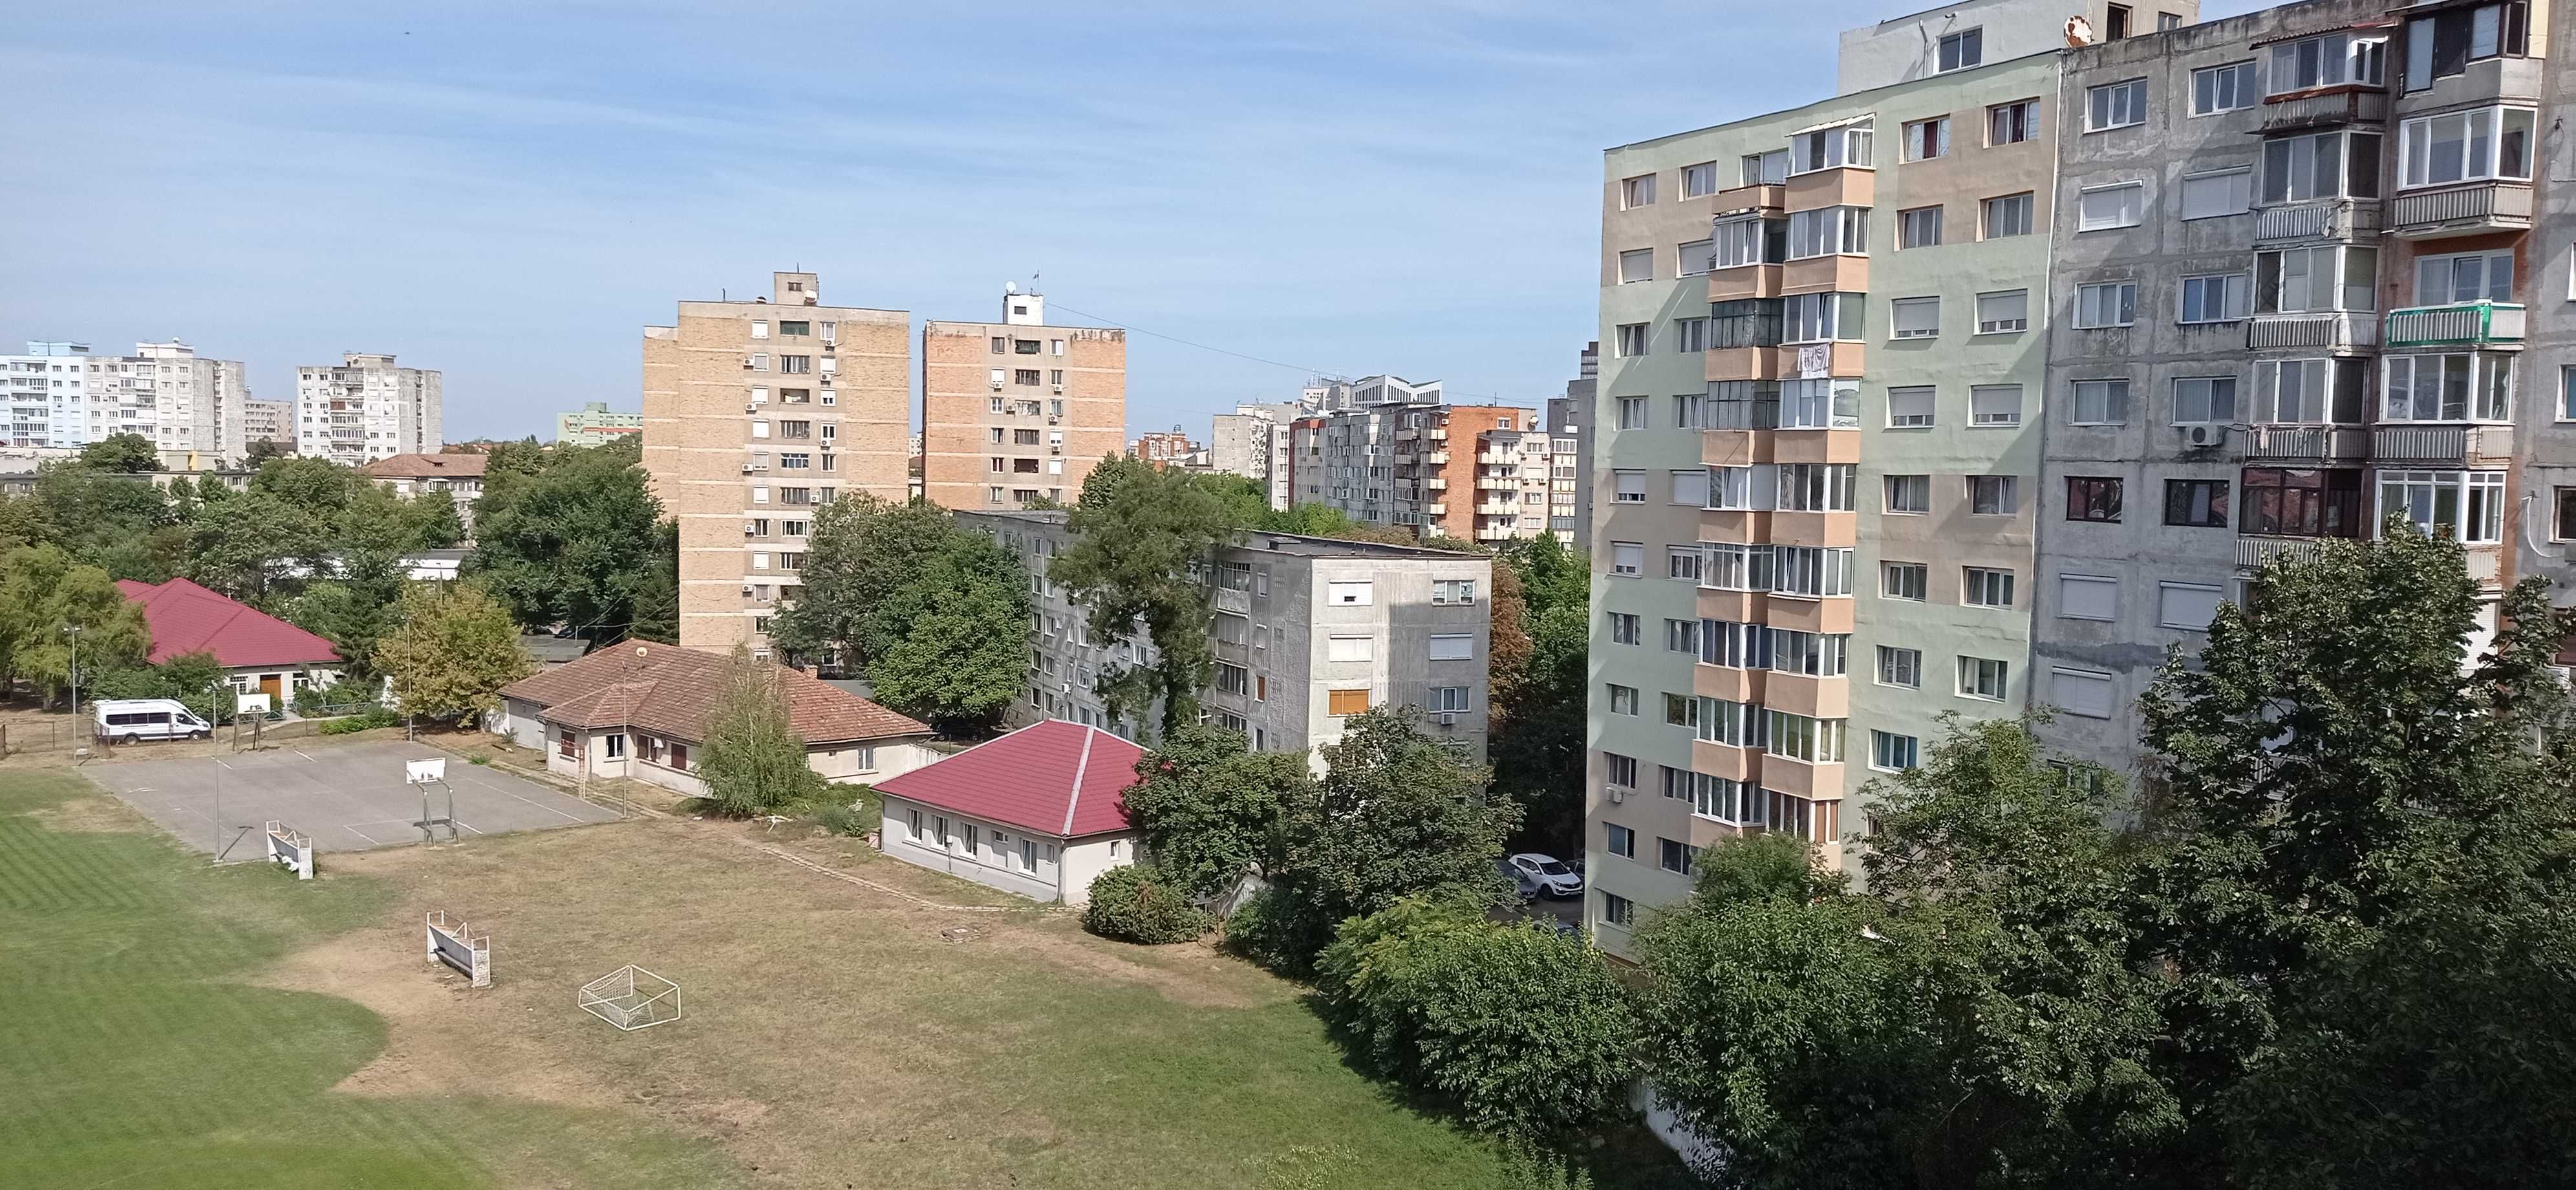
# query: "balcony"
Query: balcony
{"points": [[2476, 208], [2466, 324], [1735, 200], [2289, 113], [2307, 443], [1744, 281], [2253, 552], [2327, 329], [1841, 186], [1229, 599], [2323, 219], [2447, 445]]}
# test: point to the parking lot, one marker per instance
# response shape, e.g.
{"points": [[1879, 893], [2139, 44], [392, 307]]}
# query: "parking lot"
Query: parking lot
{"points": [[349, 797]]}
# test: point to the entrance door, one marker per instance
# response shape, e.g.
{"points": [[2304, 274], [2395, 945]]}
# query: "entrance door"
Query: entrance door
{"points": [[274, 686]]}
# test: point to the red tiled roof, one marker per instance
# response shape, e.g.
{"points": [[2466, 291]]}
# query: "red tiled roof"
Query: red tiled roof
{"points": [[187, 618], [1055, 778], [421, 466], [670, 691]]}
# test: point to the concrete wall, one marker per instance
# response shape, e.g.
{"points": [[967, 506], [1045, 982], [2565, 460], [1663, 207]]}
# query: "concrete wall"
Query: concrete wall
{"points": [[2548, 255], [1907, 48], [958, 421]]}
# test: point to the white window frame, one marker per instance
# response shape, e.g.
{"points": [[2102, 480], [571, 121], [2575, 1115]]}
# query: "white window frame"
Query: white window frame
{"points": [[1978, 675], [1992, 414], [2119, 298], [2415, 147], [2112, 106], [2239, 193], [1902, 311], [2129, 207], [2097, 586], [2226, 87], [1930, 397], [2003, 326], [2236, 298]]}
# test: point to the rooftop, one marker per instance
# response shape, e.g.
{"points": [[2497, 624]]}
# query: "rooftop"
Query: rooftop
{"points": [[1056, 778], [425, 466], [672, 691], [186, 618]]}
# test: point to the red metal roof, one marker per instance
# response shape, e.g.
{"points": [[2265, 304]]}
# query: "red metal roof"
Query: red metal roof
{"points": [[1055, 778], [187, 618]]}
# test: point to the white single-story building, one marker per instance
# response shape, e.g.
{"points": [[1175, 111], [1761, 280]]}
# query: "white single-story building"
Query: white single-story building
{"points": [[260, 653], [640, 710], [1040, 812]]}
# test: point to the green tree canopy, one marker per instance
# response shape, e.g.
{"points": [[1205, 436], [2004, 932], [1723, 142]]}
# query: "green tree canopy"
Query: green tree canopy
{"points": [[261, 450], [1399, 814], [1211, 810], [44, 590], [1141, 538], [121, 454], [753, 761], [454, 649], [564, 546]]}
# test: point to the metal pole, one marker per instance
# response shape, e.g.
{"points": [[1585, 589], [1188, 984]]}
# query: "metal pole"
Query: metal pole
{"points": [[73, 631], [214, 719]]}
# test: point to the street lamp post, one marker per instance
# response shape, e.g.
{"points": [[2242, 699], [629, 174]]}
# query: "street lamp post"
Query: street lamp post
{"points": [[80, 729]]}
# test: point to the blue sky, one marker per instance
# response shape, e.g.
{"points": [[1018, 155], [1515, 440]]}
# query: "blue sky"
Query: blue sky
{"points": [[508, 195]]}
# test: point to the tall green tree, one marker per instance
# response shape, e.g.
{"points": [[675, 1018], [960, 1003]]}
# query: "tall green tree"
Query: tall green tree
{"points": [[254, 546], [859, 553], [657, 596], [452, 652], [1142, 539], [320, 487], [1399, 813], [1536, 740], [1212, 810], [121, 454], [44, 590], [753, 761], [261, 450], [117, 522], [563, 546]]}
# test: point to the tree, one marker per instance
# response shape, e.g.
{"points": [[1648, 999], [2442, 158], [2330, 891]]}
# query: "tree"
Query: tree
{"points": [[753, 761], [1551, 575], [1398, 814], [246, 547], [1136, 903], [1211, 810], [1536, 739], [1523, 1028], [453, 651], [111, 521], [657, 596], [562, 546], [320, 487], [43, 590], [1507, 653], [1141, 537], [121, 454], [859, 553], [261, 450], [24, 521]]}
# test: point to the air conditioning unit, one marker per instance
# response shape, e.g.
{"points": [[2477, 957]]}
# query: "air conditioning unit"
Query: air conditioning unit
{"points": [[997, 386], [1059, 390], [753, 408], [1617, 795], [1449, 719], [750, 529], [746, 365], [827, 347], [1055, 421], [746, 590], [746, 468], [2203, 437]]}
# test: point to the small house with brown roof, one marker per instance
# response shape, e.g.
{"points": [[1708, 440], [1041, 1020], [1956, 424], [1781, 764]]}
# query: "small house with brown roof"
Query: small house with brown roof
{"points": [[1041, 812], [641, 710], [409, 475]]}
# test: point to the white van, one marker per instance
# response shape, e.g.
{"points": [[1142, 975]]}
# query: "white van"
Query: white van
{"points": [[132, 720]]}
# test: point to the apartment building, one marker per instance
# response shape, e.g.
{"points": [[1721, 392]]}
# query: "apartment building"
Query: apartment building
{"points": [[47, 393], [265, 421], [62, 395], [757, 413], [1412, 462], [1953, 37], [1307, 632], [1569, 417], [366, 408], [1814, 460], [1017, 411], [1166, 449], [2311, 273], [1516, 483], [1252, 442], [594, 424]]}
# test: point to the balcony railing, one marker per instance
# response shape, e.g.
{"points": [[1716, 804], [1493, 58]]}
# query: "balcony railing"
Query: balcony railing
{"points": [[2324, 329], [2463, 210], [2253, 552], [2306, 442], [2467, 324], [2317, 111], [2451, 444], [2323, 219], [1228, 599]]}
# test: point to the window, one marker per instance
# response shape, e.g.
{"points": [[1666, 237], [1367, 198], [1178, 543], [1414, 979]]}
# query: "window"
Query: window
{"points": [[1619, 840], [1993, 495], [2321, 165], [1743, 489], [2196, 503], [1623, 699], [2310, 391], [1766, 169], [1632, 339], [1812, 571], [1900, 667], [2220, 297], [1623, 628], [2563, 526], [2444, 44], [1682, 562], [1699, 181], [1985, 587], [1627, 558], [2204, 400], [2012, 123], [1909, 493], [2102, 208], [1350, 648], [2115, 22], [2212, 195], [1628, 487], [799, 364], [1909, 407], [1982, 677], [2447, 388], [1632, 413], [1349, 593], [2115, 105], [2099, 403], [1738, 242], [1903, 580], [1994, 405], [1926, 139], [1918, 227], [2093, 498], [2087, 597], [2106, 304], [1690, 260], [1962, 49], [1449, 591], [2463, 277], [2567, 388], [1341, 703], [1798, 737], [2008, 215], [2471, 146], [1915, 318], [1892, 753], [2003, 312], [2300, 502], [1618, 911], [1819, 404], [1637, 192], [1456, 646], [1676, 856], [1636, 265], [1682, 711], [1827, 231], [1830, 148], [2216, 89], [2188, 606], [2301, 280], [2084, 692], [760, 330], [1816, 487], [1821, 317], [2467, 506], [2333, 59]]}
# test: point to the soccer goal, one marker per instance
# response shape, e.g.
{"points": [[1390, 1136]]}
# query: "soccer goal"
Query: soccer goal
{"points": [[290, 849], [460, 947], [631, 998]]}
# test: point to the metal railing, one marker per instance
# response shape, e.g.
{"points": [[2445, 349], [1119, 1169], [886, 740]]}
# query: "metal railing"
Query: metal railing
{"points": [[2437, 444], [2468, 324], [2322, 329], [2306, 442], [2501, 204]]}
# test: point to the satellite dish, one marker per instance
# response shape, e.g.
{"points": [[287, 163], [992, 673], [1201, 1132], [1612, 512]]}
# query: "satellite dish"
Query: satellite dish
{"points": [[2079, 31], [1010, 287]]}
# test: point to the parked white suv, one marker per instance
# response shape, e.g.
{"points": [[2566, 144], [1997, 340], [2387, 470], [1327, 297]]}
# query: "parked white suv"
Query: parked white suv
{"points": [[1545, 873]]}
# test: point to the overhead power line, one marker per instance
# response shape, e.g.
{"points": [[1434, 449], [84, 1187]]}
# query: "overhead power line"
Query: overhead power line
{"points": [[1324, 372]]}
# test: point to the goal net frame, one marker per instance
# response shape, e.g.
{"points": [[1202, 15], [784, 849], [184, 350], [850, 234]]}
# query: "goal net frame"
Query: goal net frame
{"points": [[631, 998], [453, 943], [290, 849]]}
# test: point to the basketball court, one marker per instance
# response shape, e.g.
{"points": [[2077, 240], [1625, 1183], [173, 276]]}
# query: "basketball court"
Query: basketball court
{"points": [[351, 797]]}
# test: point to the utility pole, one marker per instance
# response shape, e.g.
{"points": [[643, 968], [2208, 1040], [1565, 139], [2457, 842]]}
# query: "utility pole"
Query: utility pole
{"points": [[80, 730]]}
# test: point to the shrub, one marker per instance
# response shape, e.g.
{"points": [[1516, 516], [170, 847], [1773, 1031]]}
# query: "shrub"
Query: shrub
{"points": [[1279, 930], [843, 819], [1522, 1027], [1136, 903], [372, 716]]}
